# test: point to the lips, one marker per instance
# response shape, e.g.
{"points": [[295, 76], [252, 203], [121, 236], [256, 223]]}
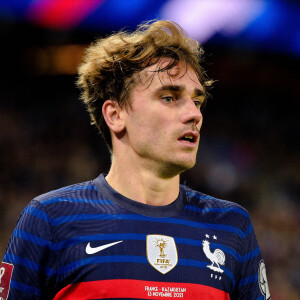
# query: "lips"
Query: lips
{"points": [[190, 137]]}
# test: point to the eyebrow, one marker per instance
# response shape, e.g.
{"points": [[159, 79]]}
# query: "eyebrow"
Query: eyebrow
{"points": [[172, 88], [200, 93], [180, 88]]}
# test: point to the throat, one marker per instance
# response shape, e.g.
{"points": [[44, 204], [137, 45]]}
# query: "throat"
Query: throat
{"points": [[145, 187]]}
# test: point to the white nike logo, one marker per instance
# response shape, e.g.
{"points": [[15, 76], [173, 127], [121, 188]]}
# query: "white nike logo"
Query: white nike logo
{"points": [[90, 250]]}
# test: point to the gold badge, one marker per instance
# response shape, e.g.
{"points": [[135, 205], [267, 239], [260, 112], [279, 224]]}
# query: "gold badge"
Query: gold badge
{"points": [[161, 252]]}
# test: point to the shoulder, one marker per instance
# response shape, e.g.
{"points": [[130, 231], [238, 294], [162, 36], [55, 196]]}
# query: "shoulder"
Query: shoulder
{"points": [[199, 199], [68, 200], [68, 193], [217, 209]]}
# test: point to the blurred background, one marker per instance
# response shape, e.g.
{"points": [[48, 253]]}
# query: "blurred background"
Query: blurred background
{"points": [[249, 150]]}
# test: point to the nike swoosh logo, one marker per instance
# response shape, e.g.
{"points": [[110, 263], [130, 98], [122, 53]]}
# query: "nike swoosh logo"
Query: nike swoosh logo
{"points": [[90, 250]]}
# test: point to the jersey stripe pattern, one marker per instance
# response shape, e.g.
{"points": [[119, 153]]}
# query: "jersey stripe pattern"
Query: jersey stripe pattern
{"points": [[86, 241]]}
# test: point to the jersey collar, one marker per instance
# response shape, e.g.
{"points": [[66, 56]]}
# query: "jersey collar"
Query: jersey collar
{"points": [[164, 211]]}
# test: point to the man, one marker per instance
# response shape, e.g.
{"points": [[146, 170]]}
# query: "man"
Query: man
{"points": [[136, 233]]}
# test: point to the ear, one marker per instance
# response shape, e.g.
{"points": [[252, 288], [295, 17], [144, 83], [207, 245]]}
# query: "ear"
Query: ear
{"points": [[111, 113]]}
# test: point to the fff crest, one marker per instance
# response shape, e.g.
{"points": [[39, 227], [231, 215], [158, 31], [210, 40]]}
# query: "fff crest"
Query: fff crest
{"points": [[161, 252]]}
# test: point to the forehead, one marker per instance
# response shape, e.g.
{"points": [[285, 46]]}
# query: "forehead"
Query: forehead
{"points": [[181, 74]]}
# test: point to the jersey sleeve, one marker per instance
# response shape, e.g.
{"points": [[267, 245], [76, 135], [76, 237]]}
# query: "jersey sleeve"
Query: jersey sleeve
{"points": [[29, 264], [252, 280]]}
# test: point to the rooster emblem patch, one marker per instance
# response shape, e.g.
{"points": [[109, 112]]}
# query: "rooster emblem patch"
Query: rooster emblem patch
{"points": [[217, 257]]}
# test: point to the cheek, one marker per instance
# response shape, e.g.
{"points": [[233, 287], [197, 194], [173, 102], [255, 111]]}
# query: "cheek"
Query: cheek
{"points": [[149, 124], [156, 126], [152, 131]]}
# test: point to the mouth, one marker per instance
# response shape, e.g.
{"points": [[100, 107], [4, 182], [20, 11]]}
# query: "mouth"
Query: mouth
{"points": [[189, 138]]}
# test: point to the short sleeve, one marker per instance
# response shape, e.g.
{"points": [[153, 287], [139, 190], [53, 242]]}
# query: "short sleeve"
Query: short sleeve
{"points": [[252, 281], [29, 264]]}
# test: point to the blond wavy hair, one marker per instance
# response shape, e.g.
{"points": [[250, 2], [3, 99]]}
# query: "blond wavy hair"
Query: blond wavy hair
{"points": [[111, 65]]}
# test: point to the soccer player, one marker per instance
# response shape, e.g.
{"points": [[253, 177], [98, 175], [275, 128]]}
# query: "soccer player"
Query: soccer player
{"points": [[136, 233]]}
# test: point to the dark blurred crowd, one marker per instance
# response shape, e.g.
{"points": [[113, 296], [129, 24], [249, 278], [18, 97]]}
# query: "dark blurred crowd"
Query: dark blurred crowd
{"points": [[249, 149]]}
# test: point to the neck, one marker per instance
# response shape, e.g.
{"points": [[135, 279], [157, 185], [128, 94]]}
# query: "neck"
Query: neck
{"points": [[142, 184]]}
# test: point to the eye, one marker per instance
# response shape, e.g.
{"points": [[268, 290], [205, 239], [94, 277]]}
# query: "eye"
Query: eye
{"points": [[168, 99], [198, 103]]}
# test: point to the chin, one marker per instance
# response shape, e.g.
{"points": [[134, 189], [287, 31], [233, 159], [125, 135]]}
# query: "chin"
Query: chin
{"points": [[176, 168], [187, 162], [189, 166]]}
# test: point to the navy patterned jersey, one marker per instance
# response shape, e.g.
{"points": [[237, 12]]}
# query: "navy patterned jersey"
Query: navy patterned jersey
{"points": [[87, 241]]}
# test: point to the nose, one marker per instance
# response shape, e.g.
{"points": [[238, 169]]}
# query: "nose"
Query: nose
{"points": [[192, 114]]}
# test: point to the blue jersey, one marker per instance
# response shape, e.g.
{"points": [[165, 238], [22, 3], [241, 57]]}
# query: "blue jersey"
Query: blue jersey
{"points": [[87, 241]]}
